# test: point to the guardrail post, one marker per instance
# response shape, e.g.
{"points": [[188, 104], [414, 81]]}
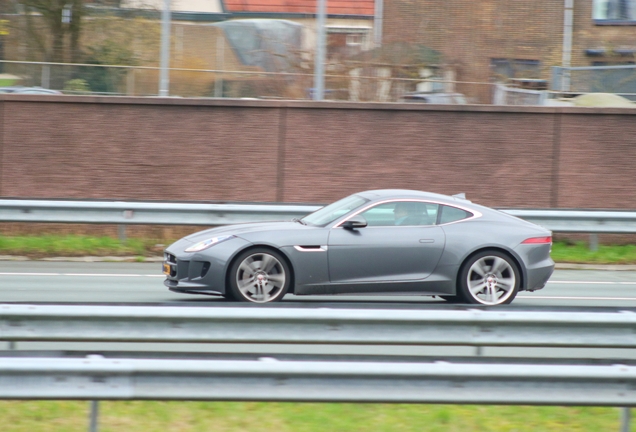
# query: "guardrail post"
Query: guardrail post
{"points": [[121, 231], [625, 419], [593, 242], [93, 416]]}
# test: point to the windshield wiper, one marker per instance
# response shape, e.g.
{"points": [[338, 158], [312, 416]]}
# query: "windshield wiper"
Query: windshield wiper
{"points": [[300, 221]]}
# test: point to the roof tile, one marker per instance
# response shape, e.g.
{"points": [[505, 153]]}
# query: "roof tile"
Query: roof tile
{"points": [[334, 7]]}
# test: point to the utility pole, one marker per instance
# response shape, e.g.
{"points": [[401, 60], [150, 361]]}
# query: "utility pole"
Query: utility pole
{"points": [[377, 23], [568, 20], [164, 73], [319, 60]]}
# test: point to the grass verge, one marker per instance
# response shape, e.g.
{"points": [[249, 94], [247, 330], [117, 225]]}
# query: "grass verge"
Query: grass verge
{"points": [[149, 416], [606, 254], [77, 245]]}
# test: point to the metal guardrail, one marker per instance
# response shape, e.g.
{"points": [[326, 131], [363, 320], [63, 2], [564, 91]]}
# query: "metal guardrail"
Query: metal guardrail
{"points": [[580, 221], [474, 327], [119, 212], [268, 379], [145, 213]]}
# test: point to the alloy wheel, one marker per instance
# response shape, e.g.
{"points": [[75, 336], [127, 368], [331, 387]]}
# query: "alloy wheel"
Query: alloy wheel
{"points": [[260, 278], [491, 280]]}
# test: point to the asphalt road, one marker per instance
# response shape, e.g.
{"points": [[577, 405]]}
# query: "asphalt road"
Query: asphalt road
{"points": [[142, 283]]}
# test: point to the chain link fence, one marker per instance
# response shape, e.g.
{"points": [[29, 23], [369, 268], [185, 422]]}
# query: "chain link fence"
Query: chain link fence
{"points": [[618, 79], [358, 84]]}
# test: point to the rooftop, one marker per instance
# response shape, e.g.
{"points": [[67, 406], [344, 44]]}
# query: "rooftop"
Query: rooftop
{"points": [[334, 7]]}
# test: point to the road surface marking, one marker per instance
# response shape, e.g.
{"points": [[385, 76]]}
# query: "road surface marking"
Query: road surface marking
{"points": [[159, 275], [573, 298], [82, 274]]}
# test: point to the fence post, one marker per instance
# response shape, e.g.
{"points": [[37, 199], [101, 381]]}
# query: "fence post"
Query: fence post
{"points": [[46, 76], [130, 82], [557, 83], [220, 65]]}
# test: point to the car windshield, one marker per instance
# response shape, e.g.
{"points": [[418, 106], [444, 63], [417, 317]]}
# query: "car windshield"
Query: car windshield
{"points": [[333, 211]]}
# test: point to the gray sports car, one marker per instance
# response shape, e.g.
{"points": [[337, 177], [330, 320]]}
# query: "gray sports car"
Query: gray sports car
{"points": [[381, 241]]}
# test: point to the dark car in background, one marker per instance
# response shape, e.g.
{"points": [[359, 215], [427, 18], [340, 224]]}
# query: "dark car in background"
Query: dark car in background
{"points": [[434, 98], [28, 90]]}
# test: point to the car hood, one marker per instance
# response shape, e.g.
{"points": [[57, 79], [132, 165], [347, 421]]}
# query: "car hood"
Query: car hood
{"points": [[242, 229]]}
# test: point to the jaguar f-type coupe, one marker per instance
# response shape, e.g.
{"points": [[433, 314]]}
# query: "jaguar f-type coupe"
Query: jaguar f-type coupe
{"points": [[374, 242]]}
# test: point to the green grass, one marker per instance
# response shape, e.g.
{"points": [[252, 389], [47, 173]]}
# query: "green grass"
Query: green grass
{"points": [[73, 245], [149, 416], [76, 245], [580, 253]]}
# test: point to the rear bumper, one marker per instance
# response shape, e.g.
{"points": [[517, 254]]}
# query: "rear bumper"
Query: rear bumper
{"points": [[539, 275]]}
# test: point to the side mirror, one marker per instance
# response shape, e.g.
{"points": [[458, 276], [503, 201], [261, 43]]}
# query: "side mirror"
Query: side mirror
{"points": [[355, 223]]}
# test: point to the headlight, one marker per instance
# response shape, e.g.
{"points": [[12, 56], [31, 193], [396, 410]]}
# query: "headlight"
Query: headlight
{"points": [[207, 243]]}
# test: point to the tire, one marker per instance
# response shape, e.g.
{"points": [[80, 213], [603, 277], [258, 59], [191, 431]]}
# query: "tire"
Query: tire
{"points": [[228, 295], [259, 276], [489, 278]]}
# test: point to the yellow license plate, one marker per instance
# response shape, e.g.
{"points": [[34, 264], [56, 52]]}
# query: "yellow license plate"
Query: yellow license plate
{"points": [[166, 269]]}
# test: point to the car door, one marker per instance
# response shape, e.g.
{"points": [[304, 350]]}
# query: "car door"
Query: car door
{"points": [[384, 250]]}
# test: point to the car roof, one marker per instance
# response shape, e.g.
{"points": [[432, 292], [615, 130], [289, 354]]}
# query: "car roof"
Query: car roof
{"points": [[380, 194]]}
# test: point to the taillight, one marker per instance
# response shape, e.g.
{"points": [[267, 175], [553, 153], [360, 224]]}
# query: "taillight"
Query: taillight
{"points": [[538, 240]]}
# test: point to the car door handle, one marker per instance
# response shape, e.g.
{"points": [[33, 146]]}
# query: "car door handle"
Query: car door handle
{"points": [[427, 240]]}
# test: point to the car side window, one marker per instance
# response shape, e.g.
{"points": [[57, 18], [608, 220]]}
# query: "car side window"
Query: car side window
{"points": [[401, 213], [452, 214]]}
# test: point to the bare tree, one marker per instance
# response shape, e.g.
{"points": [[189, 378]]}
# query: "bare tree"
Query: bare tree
{"points": [[48, 22]]}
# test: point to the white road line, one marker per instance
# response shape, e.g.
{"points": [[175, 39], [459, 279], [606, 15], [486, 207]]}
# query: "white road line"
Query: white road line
{"points": [[591, 283], [573, 298], [159, 275], [82, 274]]}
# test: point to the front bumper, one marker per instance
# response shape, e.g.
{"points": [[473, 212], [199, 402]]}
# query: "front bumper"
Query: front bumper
{"points": [[202, 271]]}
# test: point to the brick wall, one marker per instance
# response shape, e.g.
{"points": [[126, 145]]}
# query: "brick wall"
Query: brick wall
{"points": [[202, 150]]}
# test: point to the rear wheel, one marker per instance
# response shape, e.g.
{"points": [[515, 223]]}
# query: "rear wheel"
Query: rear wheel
{"points": [[259, 276], [489, 278]]}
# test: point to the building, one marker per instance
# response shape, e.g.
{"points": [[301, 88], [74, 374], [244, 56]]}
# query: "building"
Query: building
{"points": [[490, 41], [204, 37], [206, 60]]}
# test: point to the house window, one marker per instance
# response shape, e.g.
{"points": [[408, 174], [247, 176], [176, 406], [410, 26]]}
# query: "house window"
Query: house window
{"points": [[503, 69], [614, 10], [343, 42], [354, 39]]}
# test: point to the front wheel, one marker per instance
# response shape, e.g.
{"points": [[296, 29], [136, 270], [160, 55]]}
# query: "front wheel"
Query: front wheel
{"points": [[489, 278], [259, 276]]}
